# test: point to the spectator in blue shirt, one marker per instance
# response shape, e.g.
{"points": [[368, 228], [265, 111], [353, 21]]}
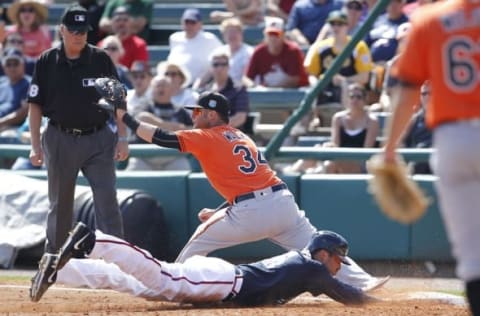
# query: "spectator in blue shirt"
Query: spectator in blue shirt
{"points": [[307, 18], [13, 90], [382, 38]]}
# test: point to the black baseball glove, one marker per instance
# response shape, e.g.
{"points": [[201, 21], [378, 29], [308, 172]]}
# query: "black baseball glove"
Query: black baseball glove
{"points": [[113, 94]]}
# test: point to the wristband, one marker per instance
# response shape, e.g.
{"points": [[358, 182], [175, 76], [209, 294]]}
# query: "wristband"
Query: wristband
{"points": [[131, 122], [123, 139]]}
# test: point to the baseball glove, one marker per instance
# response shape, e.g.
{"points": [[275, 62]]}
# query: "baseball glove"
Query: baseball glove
{"points": [[113, 94], [397, 195]]}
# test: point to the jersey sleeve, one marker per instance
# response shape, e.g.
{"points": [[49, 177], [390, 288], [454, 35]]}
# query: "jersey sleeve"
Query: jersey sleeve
{"points": [[36, 92], [336, 289], [411, 66]]}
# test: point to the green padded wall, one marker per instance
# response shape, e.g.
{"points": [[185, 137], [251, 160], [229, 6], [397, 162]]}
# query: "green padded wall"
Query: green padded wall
{"points": [[341, 203], [429, 239]]}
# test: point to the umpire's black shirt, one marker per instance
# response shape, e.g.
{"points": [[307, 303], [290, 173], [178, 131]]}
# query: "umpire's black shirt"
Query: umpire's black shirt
{"points": [[64, 89]]}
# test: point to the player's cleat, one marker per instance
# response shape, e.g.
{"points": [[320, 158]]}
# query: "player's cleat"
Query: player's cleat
{"points": [[79, 244], [45, 276], [375, 284]]}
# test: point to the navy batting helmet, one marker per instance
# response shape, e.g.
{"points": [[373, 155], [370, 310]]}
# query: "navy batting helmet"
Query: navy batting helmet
{"points": [[331, 242]]}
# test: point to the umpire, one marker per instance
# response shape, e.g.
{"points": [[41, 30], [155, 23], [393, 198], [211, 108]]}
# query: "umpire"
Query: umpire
{"points": [[77, 136]]}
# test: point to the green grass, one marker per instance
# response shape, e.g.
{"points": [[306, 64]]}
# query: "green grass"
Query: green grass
{"points": [[14, 278], [454, 292]]}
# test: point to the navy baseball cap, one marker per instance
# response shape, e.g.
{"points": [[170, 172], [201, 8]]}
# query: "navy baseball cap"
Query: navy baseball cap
{"points": [[212, 101], [191, 15], [330, 241], [75, 18]]}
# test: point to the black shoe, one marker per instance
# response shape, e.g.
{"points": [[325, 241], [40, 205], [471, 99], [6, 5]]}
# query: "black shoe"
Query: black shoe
{"points": [[45, 276], [79, 244]]}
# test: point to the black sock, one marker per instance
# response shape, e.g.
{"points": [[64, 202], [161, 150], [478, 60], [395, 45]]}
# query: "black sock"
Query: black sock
{"points": [[473, 295]]}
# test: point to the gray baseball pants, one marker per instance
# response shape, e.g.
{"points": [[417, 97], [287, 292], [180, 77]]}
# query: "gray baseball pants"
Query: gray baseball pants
{"points": [[67, 154]]}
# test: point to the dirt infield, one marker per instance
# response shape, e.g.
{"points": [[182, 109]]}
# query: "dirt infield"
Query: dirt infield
{"points": [[399, 298]]}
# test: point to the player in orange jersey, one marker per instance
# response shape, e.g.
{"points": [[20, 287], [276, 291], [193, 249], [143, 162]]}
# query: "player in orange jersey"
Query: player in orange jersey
{"points": [[259, 205], [444, 47]]}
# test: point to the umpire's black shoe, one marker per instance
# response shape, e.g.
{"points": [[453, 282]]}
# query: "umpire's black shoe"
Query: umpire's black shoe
{"points": [[79, 244], [45, 276]]}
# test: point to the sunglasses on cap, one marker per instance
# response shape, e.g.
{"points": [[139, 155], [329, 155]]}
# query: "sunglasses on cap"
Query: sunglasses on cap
{"points": [[424, 93]]}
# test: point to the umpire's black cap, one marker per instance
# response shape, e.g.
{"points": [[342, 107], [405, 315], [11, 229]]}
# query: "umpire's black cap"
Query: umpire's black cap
{"points": [[212, 101], [330, 241], [75, 18]]}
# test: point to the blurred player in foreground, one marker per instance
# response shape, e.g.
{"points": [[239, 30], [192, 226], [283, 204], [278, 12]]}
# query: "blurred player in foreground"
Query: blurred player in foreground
{"points": [[443, 47]]}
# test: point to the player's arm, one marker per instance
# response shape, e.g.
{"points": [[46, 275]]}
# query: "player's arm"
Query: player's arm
{"points": [[403, 98], [148, 132], [339, 291]]}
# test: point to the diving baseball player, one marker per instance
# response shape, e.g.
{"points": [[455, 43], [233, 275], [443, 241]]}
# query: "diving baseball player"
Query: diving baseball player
{"points": [[206, 279]]}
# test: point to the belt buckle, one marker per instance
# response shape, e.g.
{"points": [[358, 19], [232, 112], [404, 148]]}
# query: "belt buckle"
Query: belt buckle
{"points": [[76, 131]]}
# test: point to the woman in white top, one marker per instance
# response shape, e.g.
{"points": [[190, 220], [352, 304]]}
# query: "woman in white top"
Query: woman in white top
{"points": [[353, 127], [180, 77]]}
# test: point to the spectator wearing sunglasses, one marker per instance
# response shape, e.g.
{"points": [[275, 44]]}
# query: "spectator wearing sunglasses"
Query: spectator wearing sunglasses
{"points": [[180, 77], [15, 40], [141, 94], [236, 94], [13, 90], [28, 18], [352, 127], [355, 69], [353, 9], [114, 48]]}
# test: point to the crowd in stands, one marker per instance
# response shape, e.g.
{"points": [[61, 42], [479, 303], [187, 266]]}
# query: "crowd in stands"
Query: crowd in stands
{"points": [[301, 39]]}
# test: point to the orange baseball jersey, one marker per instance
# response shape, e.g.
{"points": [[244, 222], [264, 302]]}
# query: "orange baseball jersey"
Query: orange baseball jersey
{"points": [[229, 158], [444, 47]]}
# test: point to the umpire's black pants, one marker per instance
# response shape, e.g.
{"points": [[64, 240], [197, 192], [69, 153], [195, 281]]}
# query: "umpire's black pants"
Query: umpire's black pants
{"points": [[67, 154]]}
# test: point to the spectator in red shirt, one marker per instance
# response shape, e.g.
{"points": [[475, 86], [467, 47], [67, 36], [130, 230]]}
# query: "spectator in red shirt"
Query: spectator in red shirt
{"points": [[277, 62], [134, 46]]}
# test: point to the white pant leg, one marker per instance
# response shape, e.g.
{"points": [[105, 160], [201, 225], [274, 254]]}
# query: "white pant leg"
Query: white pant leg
{"points": [[199, 279], [98, 274], [457, 164]]}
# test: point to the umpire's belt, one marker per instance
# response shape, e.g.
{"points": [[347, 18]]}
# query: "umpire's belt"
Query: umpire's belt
{"points": [[78, 131], [252, 195]]}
